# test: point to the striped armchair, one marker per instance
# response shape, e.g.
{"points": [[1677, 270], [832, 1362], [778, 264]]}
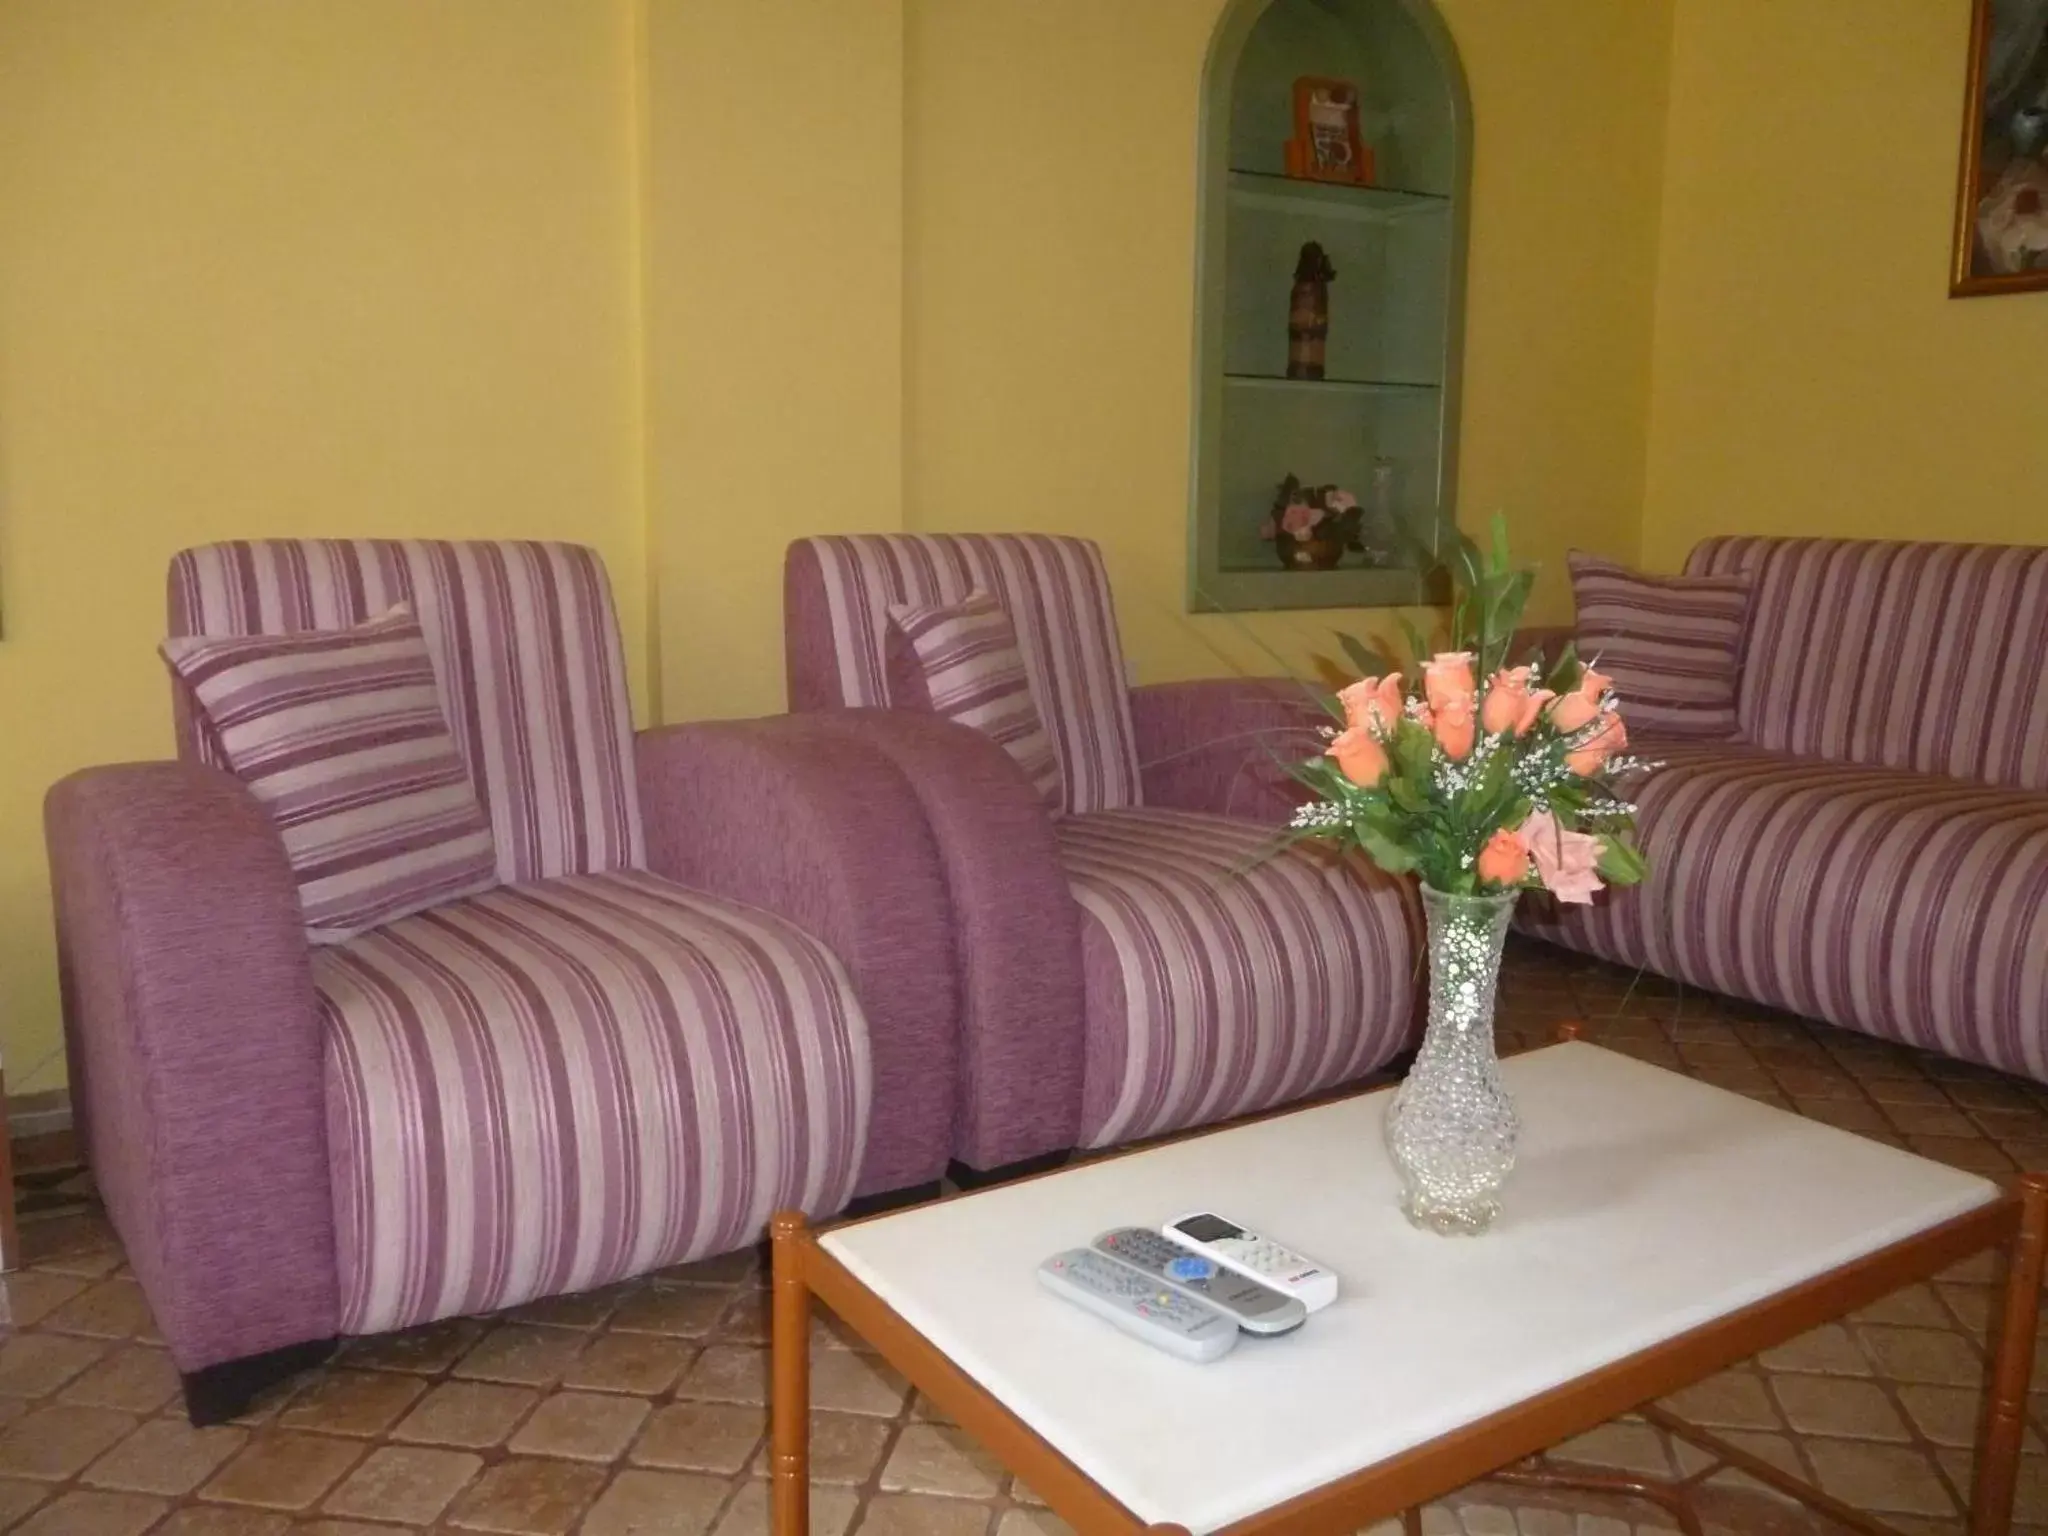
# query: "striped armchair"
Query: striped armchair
{"points": [[714, 981], [1142, 958], [1872, 849]]}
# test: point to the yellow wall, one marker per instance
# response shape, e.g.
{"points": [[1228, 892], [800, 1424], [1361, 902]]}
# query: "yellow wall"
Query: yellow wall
{"points": [[1050, 215], [774, 281], [1812, 375], [285, 269]]}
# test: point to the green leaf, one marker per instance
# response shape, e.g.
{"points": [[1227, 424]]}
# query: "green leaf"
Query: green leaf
{"points": [[1501, 563], [1621, 862], [1370, 663], [1418, 646], [1383, 850], [1564, 672]]}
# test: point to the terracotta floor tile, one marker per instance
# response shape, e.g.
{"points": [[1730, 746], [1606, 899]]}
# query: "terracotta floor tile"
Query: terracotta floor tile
{"points": [[657, 1504], [37, 1364], [1885, 1479], [134, 1378], [55, 1442], [855, 1383], [584, 1426], [721, 1269], [582, 1309], [521, 1354], [336, 1526], [1627, 1447], [845, 1448], [1917, 1306], [405, 1483], [1937, 1357], [283, 1471], [1780, 1450], [528, 1496], [642, 1363], [28, 1296], [1043, 1522], [166, 1456], [1839, 1405], [475, 1414], [679, 1311], [226, 1520], [832, 1511], [917, 1514], [733, 1374], [17, 1498], [1945, 1415], [84, 1513], [112, 1309], [1828, 1350], [933, 1458], [703, 1437], [1733, 1399], [361, 1403], [422, 1351]]}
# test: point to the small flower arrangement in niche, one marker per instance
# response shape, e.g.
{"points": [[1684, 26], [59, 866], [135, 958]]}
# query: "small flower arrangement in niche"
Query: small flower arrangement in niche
{"points": [[1311, 527], [1484, 780]]}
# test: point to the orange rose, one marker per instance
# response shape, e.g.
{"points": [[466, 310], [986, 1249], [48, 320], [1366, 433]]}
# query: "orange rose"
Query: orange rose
{"points": [[1454, 728], [1609, 739], [1575, 710], [1447, 678], [1373, 703], [1511, 704], [1505, 858], [1360, 757]]}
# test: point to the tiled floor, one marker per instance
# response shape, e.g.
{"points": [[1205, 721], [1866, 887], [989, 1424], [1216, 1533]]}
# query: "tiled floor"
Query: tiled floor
{"points": [[640, 1408]]}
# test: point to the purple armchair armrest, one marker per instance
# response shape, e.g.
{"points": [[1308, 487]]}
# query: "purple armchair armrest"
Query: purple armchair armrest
{"points": [[787, 815], [195, 1055], [1016, 932], [1219, 745]]}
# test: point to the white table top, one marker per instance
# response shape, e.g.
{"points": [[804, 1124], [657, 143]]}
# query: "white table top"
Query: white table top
{"points": [[1644, 1204]]}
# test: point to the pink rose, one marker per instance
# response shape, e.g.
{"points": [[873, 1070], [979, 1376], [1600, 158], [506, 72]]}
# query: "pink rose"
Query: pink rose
{"points": [[1454, 728], [1608, 738], [1373, 704], [1360, 757], [1566, 862], [1298, 518], [1340, 502], [1447, 677], [1505, 859]]}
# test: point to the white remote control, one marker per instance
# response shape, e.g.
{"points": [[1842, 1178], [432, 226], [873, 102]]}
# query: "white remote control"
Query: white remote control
{"points": [[1233, 1247], [1139, 1305], [1252, 1304]]}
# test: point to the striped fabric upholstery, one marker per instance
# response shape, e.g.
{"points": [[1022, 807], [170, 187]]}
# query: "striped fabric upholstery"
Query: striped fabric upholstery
{"points": [[557, 1085], [1905, 905], [1056, 593], [526, 648], [1921, 656], [1672, 644], [1222, 977], [340, 736], [964, 659]]}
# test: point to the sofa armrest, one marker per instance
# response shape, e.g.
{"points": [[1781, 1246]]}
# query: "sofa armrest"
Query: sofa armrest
{"points": [[1221, 744], [786, 816], [1016, 932], [196, 1053]]}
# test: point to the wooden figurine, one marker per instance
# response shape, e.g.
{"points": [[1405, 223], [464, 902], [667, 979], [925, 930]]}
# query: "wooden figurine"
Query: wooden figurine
{"points": [[1308, 313]]}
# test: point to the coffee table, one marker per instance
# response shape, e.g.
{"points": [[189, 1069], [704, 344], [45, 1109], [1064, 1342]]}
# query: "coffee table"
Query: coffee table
{"points": [[1657, 1230]]}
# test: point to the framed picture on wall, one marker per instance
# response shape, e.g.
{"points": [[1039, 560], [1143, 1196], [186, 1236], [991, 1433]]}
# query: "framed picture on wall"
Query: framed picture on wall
{"points": [[2001, 236]]}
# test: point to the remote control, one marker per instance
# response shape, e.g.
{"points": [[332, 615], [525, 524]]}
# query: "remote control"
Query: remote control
{"points": [[1139, 1305], [1255, 1306], [1261, 1258]]}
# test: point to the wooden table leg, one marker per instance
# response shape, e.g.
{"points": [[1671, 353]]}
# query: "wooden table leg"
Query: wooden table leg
{"points": [[789, 1431], [2012, 1366]]}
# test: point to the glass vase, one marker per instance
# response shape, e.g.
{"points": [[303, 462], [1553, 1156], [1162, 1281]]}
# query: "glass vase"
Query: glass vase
{"points": [[1451, 1129]]}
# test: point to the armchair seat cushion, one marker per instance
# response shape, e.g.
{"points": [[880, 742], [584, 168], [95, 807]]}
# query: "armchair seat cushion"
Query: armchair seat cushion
{"points": [[559, 1084], [1224, 977]]}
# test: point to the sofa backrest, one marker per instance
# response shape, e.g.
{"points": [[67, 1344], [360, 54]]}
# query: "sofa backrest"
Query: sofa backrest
{"points": [[1922, 656], [525, 645], [837, 592]]}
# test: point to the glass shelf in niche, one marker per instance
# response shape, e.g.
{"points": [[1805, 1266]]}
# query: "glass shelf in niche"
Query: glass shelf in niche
{"points": [[1280, 381], [1267, 192]]}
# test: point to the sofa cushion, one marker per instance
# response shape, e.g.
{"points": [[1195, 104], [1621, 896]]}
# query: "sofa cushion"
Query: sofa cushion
{"points": [[1920, 656], [1908, 906], [1056, 591], [340, 736], [553, 1086], [1672, 644], [1224, 975], [960, 660], [526, 648]]}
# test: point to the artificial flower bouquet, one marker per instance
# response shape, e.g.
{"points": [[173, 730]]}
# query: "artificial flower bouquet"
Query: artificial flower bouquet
{"points": [[1481, 777]]}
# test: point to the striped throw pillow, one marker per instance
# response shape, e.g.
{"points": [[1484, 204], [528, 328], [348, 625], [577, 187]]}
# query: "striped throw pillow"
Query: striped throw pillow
{"points": [[340, 735], [1672, 644], [963, 662]]}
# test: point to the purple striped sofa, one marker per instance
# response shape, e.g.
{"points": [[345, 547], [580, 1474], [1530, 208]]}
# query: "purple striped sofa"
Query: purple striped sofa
{"points": [[1873, 847], [714, 982], [1132, 963]]}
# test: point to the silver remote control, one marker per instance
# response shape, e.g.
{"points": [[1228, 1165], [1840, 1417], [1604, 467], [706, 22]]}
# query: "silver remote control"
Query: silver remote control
{"points": [[1255, 1306], [1139, 1305]]}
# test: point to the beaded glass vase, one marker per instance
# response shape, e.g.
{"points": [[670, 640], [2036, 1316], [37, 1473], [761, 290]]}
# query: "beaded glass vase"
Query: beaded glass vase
{"points": [[1451, 1129]]}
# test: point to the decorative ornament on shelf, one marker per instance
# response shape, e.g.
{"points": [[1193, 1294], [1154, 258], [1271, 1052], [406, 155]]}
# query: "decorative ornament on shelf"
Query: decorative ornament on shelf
{"points": [[1308, 312], [1312, 526], [1326, 144], [1485, 780]]}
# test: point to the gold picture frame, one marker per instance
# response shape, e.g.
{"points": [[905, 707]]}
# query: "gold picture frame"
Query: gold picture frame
{"points": [[2001, 224]]}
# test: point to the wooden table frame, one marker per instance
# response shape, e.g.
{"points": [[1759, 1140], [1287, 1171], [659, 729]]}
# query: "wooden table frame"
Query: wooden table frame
{"points": [[2016, 1225]]}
